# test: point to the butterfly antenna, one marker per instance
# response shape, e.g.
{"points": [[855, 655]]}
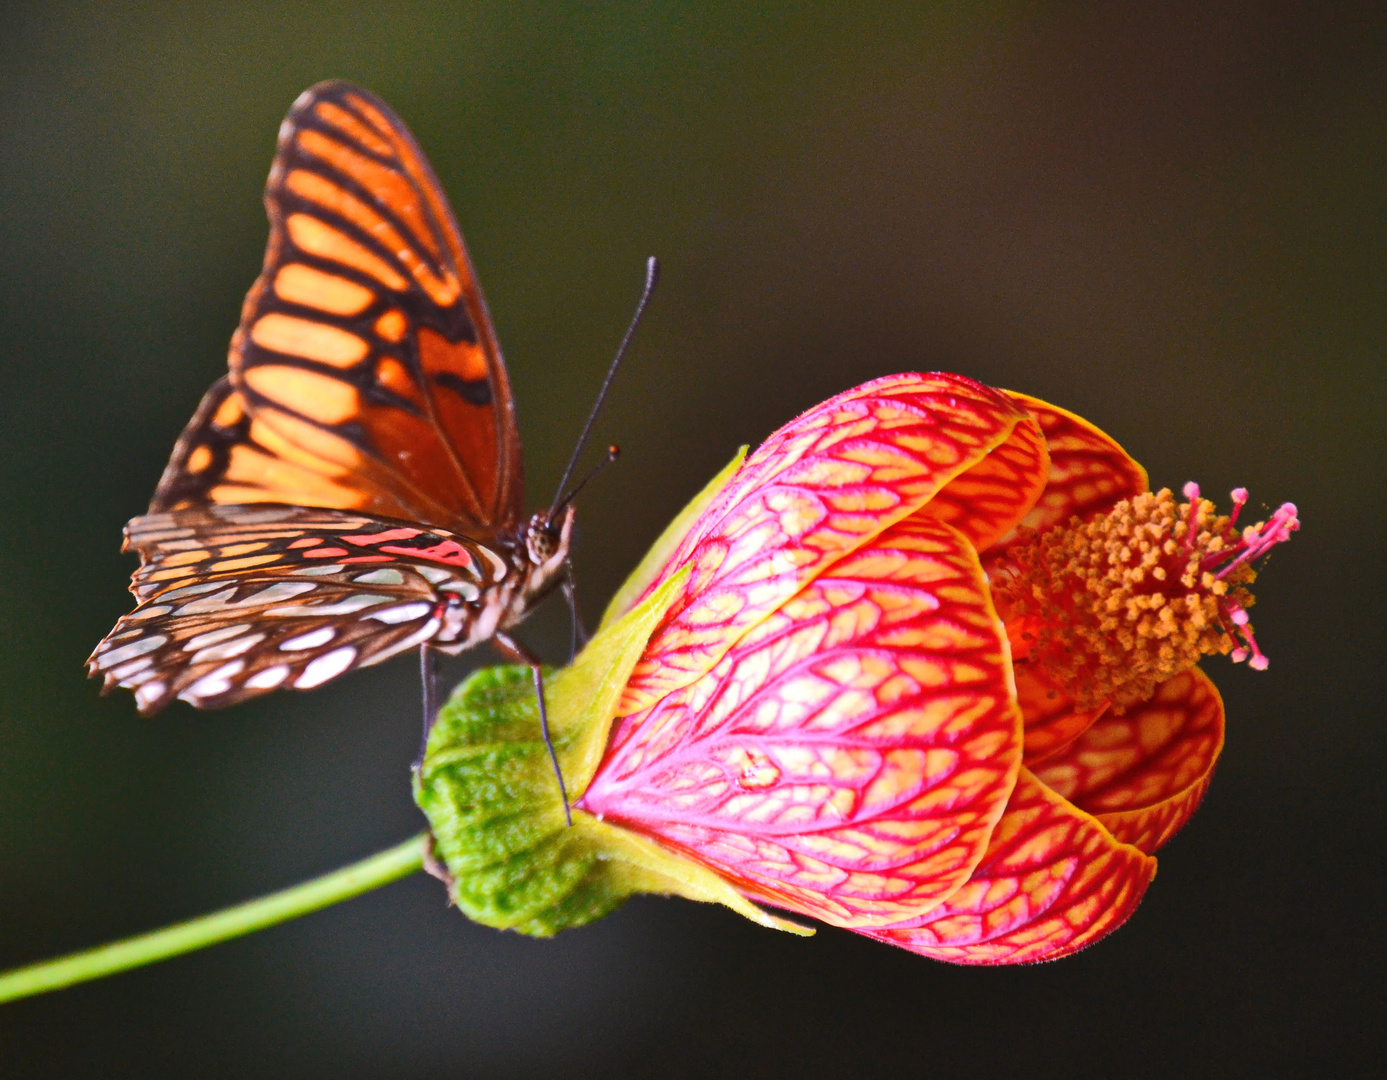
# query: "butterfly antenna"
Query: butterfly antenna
{"points": [[613, 452], [652, 276]]}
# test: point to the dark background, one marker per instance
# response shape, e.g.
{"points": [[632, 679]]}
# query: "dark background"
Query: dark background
{"points": [[1169, 218]]}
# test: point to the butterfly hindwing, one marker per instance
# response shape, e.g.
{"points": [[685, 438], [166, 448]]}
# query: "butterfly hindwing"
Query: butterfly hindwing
{"points": [[365, 373], [236, 601]]}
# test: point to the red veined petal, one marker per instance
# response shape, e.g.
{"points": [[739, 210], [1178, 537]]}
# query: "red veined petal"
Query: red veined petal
{"points": [[849, 757], [1089, 472], [824, 484], [1053, 881], [991, 498], [1142, 774], [1051, 720]]}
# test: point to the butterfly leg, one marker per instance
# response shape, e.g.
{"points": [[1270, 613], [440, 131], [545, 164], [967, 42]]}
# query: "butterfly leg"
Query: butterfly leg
{"points": [[513, 650], [570, 594], [428, 676]]}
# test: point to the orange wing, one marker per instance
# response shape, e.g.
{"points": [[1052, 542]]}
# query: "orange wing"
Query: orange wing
{"points": [[365, 374]]}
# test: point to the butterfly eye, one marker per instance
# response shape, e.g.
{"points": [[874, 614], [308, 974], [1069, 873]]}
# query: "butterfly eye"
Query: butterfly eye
{"points": [[541, 541]]}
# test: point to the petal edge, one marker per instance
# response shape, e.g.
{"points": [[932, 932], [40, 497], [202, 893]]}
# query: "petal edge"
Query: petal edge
{"points": [[1053, 882], [1143, 773]]}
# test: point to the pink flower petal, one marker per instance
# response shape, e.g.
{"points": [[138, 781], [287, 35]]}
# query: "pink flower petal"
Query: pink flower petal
{"points": [[991, 498], [1053, 881], [1089, 472], [818, 488], [1143, 773], [849, 757], [1051, 720]]}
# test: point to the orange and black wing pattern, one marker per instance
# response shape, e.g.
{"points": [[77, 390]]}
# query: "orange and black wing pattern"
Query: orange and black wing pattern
{"points": [[349, 490], [365, 374]]}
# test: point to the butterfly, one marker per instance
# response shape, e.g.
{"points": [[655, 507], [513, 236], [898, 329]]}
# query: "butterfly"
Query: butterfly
{"points": [[352, 488]]}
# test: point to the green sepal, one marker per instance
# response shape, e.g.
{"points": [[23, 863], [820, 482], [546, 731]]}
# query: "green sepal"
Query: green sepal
{"points": [[658, 555], [488, 790], [584, 696]]}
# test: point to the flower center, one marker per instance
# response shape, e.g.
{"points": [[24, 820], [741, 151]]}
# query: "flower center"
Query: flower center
{"points": [[1111, 607]]}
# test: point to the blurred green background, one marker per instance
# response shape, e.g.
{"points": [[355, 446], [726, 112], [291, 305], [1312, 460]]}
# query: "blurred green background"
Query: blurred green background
{"points": [[1168, 218]]}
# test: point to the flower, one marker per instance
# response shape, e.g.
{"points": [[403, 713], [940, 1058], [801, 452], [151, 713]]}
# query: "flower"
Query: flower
{"points": [[922, 667]]}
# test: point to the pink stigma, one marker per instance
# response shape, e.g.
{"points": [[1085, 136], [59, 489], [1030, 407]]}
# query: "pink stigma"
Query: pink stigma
{"points": [[1255, 541]]}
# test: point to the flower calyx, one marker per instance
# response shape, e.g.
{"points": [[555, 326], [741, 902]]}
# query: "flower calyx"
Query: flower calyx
{"points": [[499, 836]]}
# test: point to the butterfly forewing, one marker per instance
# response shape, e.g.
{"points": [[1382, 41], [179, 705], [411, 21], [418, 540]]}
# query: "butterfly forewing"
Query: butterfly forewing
{"points": [[365, 374], [352, 488], [236, 601]]}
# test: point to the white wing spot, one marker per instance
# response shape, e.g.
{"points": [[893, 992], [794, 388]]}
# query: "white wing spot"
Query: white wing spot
{"points": [[129, 652], [465, 589], [422, 634], [280, 590], [126, 670], [214, 636], [342, 607], [317, 571], [251, 517], [208, 604], [149, 612], [149, 693], [190, 590], [432, 574], [499, 569], [216, 682], [403, 613], [269, 678], [310, 640], [180, 545], [383, 576], [326, 667], [227, 649]]}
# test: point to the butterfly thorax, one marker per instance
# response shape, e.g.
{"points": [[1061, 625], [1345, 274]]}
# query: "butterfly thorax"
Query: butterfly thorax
{"points": [[537, 553]]}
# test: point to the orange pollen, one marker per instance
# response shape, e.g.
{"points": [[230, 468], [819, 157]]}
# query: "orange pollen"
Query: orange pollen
{"points": [[1111, 607]]}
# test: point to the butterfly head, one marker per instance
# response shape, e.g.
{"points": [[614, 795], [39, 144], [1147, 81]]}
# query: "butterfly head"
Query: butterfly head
{"points": [[546, 546]]}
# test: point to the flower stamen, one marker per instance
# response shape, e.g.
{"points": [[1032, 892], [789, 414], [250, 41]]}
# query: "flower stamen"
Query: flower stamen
{"points": [[1191, 493], [1113, 606], [1239, 501], [1257, 539]]}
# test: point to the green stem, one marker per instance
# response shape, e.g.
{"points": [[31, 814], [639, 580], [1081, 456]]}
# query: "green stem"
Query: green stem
{"points": [[370, 873]]}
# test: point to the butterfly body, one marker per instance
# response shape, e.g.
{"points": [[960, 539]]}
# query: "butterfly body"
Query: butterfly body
{"points": [[352, 488]]}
